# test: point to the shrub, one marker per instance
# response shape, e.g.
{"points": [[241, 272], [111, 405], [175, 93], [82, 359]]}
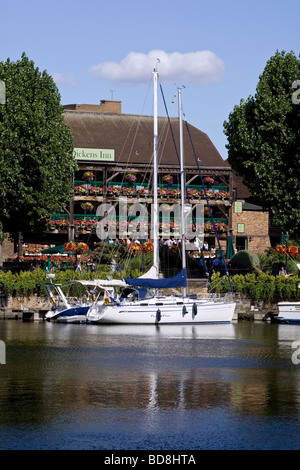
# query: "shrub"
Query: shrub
{"points": [[246, 261]]}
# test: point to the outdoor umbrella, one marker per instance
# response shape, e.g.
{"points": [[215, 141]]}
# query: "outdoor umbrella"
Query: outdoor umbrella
{"points": [[230, 249], [59, 249], [282, 239]]}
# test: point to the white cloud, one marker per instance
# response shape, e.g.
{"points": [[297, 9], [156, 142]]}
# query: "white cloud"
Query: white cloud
{"points": [[61, 79], [202, 67]]}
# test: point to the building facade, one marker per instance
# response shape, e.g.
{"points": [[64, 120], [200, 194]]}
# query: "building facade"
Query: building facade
{"points": [[114, 152]]}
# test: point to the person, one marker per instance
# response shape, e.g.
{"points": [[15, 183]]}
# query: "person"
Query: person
{"points": [[205, 246], [197, 244], [113, 265], [282, 272], [89, 264]]}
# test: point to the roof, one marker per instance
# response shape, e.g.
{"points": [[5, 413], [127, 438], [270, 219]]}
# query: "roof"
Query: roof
{"points": [[131, 136], [251, 207], [242, 192]]}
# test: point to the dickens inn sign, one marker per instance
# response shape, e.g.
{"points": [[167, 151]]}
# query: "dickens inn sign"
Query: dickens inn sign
{"points": [[94, 155]]}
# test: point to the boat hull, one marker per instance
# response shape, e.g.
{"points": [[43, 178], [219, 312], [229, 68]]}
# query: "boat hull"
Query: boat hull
{"points": [[71, 319], [190, 313], [68, 315], [288, 312]]}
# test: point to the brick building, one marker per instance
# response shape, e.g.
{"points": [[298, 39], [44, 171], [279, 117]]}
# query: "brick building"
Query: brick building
{"points": [[250, 223]]}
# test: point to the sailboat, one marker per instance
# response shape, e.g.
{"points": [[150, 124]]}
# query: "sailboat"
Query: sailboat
{"points": [[135, 305], [63, 311]]}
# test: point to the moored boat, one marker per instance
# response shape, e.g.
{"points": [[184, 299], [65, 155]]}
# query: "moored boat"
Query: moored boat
{"points": [[132, 308]]}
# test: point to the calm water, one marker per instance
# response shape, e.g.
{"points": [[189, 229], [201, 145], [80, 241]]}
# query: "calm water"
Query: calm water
{"points": [[130, 388]]}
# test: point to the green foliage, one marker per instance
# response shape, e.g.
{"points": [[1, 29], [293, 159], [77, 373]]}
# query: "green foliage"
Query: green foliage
{"points": [[266, 287], [270, 257], [26, 283], [36, 148], [246, 260], [264, 141]]}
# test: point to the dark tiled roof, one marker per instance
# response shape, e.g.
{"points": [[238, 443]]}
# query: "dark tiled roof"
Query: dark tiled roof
{"points": [[242, 192], [132, 138]]}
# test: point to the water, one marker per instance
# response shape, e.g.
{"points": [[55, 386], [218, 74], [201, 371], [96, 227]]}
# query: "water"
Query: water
{"points": [[132, 388]]}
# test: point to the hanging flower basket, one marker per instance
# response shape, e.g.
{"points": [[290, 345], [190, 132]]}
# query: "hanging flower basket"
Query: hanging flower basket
{"points": [[208, 180], [87, 206], [292, 251], [88, 176], [70, 246], [130, 177], [82, 248], [148, 247], [168, 179], [135, 248]]}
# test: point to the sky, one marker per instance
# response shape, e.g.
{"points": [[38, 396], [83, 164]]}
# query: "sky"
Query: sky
{"points": [[100, 50]]}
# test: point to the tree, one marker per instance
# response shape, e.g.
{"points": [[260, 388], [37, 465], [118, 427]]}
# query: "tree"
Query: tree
{"points": [[36, 149], [264, 141]]}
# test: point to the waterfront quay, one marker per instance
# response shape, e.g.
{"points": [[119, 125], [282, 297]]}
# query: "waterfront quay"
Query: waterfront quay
{"points": [[34, 308]]}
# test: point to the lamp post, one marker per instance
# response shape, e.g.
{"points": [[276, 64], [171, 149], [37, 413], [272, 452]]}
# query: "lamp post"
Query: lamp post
{"points": [[286, 249]]}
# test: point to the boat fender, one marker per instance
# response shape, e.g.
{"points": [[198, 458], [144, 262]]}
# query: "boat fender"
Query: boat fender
{"points": [[194, 309], [158, 315], [106, 300], [184, 311]]}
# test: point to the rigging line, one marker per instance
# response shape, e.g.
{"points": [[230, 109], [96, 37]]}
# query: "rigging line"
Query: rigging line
{"points": [[187, 194], [136, 131], [211, 216]]}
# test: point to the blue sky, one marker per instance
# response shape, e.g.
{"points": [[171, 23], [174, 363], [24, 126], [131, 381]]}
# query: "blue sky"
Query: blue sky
{"points": [[107, 49]]}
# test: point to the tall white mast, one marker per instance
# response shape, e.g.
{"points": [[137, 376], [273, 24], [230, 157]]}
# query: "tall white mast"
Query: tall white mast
{"points": [[155, 186], [182, 183]]}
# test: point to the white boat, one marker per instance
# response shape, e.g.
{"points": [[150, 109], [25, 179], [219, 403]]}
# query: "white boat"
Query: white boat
{"points": [[288, 312], [133, 307], [63, 310]]}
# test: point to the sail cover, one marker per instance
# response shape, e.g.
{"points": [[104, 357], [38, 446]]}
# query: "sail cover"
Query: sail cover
{"points": [[177, 281]]}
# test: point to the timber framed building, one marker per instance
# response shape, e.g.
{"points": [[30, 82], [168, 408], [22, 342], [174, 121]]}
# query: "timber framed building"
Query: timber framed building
{"points": [[110, 146], [114, 147]]}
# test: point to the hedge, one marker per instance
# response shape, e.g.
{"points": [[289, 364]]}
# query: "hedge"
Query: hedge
{"points": [[254, 286], [266, 287]]}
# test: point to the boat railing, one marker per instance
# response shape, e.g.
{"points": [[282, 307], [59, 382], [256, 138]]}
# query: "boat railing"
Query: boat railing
{"points": [[218, 297]]}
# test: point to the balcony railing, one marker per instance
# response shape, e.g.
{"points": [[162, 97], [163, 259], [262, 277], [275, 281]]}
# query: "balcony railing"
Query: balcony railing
{"points": [[90, 221], [116, 189]]}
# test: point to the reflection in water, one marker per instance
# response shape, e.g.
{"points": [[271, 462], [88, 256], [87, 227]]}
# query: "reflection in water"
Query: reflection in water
{"points": [[146, 379]]}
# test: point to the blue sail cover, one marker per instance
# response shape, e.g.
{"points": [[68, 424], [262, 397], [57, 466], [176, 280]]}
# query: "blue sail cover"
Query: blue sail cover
{"points": [[177, 281]]}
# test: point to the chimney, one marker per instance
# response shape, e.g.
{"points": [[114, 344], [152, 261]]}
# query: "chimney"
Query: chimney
{"points": [[110, 106], [105, 107]]}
